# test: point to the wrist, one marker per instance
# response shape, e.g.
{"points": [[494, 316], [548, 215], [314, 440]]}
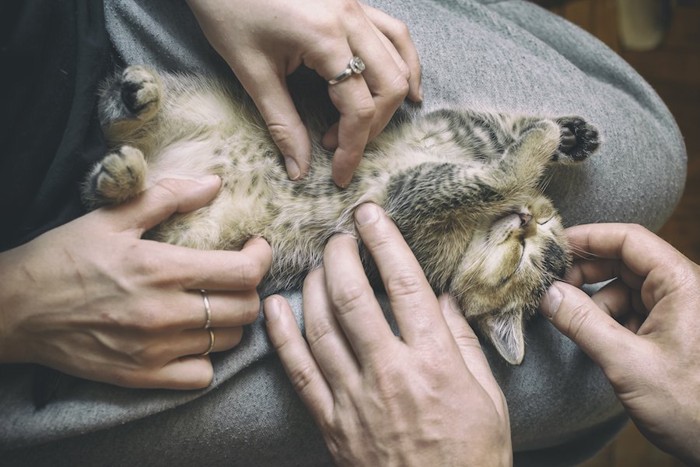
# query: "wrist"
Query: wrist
{"points": [[10, 310]]}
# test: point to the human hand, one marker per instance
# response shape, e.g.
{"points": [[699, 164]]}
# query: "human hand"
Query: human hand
{"points": [[643, 329], [93, 299], [427, 398], [263, 41]]}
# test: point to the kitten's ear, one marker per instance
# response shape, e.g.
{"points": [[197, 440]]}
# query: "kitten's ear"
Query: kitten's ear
{"points": [[506, 333]]}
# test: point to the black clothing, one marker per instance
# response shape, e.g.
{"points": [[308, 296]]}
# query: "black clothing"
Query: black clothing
{"points": [[54, 54]]}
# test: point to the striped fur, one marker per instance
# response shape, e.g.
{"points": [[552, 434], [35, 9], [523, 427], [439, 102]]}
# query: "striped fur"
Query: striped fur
{"points": [[463, 186]]}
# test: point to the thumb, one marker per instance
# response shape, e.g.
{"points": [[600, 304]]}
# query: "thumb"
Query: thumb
{"points": [[167, 197], [471, 353], [576, 316], [468, 344]]}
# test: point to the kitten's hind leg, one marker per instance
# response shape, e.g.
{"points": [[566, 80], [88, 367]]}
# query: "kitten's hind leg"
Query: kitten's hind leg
{"points": [[578, 141], [118, 177], [130, 98]]}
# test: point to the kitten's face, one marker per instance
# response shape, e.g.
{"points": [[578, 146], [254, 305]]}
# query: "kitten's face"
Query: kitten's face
{"points": [[509, 264]]}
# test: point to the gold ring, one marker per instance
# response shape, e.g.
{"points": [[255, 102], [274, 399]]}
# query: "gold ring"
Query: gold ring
{"points": [[207, 308], [211, 343]]}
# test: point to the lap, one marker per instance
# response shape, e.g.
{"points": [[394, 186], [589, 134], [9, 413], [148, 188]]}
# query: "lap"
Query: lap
{"points": [[508, 56]]}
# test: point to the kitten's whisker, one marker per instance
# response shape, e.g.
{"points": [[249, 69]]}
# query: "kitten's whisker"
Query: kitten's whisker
{"points": [[582, 254]]}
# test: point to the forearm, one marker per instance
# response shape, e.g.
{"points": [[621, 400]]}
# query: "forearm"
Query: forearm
{"points": [[14, 280]]}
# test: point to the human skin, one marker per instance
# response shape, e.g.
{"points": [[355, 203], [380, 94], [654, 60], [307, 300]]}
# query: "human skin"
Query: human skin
{"points": [[643, 329], [264, 41], [93, 299], [427, 398]]}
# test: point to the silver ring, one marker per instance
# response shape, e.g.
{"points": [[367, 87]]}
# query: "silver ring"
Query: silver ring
{"points": [[211, 343], [355, 67], [207, 308]]}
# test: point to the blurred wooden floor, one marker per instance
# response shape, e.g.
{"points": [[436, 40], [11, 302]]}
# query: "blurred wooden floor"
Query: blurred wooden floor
{"points": [[673, 69]]}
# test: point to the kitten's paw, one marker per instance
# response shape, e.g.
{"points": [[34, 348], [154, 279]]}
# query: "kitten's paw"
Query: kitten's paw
{"points": [[140, 92], [120, 176], [578, 140]]}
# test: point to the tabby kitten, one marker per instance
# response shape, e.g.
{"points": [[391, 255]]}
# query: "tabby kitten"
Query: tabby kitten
{"points": [[464, 188]]}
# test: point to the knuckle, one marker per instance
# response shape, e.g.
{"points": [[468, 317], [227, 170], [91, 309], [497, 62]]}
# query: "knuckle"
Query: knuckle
{"points": [[349, 296], [403, 283], [249, 273], [578, 321], [400, 85], [251, 309], [317, 330], [281, 134], [167, 191], [350, 6], [142, 318], [364, 110], [235, 337], [302, 377], [400, 31], [140, 261], [637, 230], [204, 379]]}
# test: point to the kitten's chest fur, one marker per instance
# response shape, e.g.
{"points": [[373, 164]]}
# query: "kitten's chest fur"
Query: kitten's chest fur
{"points": [[463, 187]]}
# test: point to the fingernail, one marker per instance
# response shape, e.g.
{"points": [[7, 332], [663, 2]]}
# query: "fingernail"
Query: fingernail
{"points": [[271, 308], [551, 302], [420, 92], [366, 214], [209, 179], [292, 168], [343, 183]]}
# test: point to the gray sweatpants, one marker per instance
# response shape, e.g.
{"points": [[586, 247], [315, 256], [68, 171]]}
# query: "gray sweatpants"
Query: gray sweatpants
{"points": [[505, 55]]}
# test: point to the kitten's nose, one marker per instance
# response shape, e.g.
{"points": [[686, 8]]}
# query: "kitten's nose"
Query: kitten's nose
{"points": [[525, 218]]}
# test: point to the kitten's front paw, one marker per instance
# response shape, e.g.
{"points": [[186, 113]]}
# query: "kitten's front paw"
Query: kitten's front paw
{"points": [[120, 176], [578, 140], [140, 92]]}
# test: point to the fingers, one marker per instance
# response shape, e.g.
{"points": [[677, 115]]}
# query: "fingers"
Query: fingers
{"points": [[229, 279], [402, 276], [471, 352], [623, 242], [219, 270], [600, 270], [366, 103], [161, 201], [357, 109], [181, 373], [353, 301], [297, 360], [574, 314], [188, 343], [399, 36], [268, 89], [326, 339]]}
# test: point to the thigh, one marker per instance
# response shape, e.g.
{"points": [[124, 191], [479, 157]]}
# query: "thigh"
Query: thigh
{"points": [[500, 55], [515, 56]]}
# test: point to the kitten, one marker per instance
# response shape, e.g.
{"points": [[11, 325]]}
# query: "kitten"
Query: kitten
{"points": [[464, 188]]}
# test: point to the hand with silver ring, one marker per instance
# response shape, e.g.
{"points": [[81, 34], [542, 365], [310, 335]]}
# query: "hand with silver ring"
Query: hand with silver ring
{"points": [[264, 41], [143, 314], [355, 66]]}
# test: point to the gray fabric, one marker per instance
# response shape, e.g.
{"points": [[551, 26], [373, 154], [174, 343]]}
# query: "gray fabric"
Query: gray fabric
{"points": [[505, 55]]}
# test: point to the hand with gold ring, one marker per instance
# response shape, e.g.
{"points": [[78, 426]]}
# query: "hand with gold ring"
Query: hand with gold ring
{"points": [[263, 41], [116, 308]]}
